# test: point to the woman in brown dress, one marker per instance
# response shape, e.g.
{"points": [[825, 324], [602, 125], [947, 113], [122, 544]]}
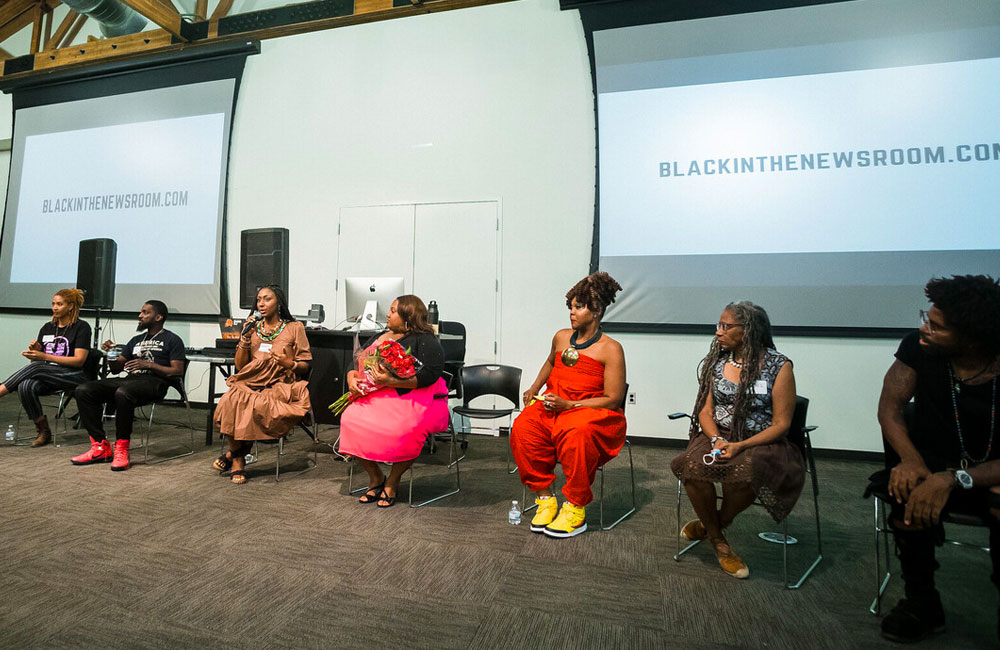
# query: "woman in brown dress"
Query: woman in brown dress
{"points": [[267, 394], [746, 398]]}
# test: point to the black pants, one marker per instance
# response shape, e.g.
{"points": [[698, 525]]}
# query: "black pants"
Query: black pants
{"points": [[123, 394], [916, 547]]}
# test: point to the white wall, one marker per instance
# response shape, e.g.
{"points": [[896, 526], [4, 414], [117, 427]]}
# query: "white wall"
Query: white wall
{"points": [[487, 103]]}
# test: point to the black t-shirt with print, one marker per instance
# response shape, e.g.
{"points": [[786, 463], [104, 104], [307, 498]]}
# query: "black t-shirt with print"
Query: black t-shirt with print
{"points": [[64, 341], [161, 349]]}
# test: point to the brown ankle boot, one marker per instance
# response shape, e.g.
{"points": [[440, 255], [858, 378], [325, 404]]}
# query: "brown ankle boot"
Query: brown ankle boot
{"points": [[44, 433]]}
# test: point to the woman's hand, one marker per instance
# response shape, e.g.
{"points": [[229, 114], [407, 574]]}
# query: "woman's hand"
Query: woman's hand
{"points": [[352, 382], [283, 358], [529, 395], [35, 345], [381, 376], [555, 404], [730, 450], [34, 355]]}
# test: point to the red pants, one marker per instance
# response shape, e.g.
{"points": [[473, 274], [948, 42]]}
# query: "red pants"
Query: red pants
{"points": [[580, 439]]}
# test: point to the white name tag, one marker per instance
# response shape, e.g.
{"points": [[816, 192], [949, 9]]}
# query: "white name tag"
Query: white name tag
{"points": [[265, 347], [136, 350], [760, 387], [48, 338]]}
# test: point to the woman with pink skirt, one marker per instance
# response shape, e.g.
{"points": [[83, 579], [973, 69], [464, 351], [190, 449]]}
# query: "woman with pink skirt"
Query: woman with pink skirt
{"points": [[391, 424]]}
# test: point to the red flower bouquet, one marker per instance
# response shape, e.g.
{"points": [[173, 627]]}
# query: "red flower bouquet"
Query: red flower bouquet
{"points": [[388, 355]]}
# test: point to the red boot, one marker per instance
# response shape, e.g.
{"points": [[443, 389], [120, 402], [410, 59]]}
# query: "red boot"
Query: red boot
{"points": [[100, 452], [120, 463]]}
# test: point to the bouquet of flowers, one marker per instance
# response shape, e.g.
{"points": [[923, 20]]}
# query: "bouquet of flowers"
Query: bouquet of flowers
{"points": [[388, 355]]}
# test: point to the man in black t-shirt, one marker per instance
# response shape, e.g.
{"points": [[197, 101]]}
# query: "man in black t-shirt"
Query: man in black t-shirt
{"points": [[947, 455], [151, 360]]}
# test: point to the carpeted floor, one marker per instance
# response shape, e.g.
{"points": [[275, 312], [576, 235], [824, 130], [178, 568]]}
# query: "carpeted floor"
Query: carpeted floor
{"points": [[174, 556]]}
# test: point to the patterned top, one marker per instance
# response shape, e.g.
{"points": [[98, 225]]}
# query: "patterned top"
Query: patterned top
{"points": [[761, 409]]}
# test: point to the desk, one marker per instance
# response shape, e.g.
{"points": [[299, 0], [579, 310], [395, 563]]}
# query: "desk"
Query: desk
{"points": [[223, 365], [333, 356]]}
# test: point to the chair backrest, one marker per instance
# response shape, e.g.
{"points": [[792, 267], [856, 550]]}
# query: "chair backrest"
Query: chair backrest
{"points": [[796, 430], [454, 349], [91, 365], [624, 399], [489, 379], [177, 383]]}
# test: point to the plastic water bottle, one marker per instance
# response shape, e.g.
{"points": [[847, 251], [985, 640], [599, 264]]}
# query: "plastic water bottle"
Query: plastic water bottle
{"points": [[9, 437], [514, 516]]}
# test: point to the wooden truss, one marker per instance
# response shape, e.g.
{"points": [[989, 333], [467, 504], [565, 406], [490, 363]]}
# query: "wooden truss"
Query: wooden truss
{"points": [[52, 48]]}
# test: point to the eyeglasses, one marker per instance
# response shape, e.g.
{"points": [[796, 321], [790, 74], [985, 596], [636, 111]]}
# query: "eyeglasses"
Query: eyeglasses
{"points": [[926, 320], [725, 327]]}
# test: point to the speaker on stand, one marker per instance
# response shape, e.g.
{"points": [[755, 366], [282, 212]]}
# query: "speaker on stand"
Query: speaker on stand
{"points": [[95, 277], [263, 261]]}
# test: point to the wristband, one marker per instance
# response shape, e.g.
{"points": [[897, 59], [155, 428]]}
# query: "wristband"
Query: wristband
{"points": [[717, 438]]}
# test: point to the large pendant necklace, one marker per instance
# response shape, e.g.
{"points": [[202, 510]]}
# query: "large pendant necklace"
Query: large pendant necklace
{"points": [[570, 355], [966, 457], [272, 335]]}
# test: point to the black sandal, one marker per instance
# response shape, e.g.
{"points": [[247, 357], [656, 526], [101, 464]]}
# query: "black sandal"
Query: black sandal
{"points": [[239, 477], [223, 463], [372, 498], [384, 496]]}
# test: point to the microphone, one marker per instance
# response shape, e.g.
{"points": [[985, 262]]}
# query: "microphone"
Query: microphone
{"points": [[250, 322]]}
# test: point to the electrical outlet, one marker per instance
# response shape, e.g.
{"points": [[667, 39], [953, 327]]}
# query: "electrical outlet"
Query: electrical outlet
{"points": [[631, 398]]}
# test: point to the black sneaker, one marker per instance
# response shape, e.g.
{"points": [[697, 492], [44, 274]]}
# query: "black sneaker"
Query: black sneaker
{"points": [[914, 620]]}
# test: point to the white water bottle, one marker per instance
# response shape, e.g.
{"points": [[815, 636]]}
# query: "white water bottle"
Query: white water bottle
{"points": [[514, 516], [9, 437]]}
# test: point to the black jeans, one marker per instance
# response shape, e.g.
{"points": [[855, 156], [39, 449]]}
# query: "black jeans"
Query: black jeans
{"points": [[124, 394]]}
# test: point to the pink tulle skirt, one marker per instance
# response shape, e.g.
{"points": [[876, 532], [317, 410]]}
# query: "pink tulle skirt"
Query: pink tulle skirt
{"points": [[390, 428]]}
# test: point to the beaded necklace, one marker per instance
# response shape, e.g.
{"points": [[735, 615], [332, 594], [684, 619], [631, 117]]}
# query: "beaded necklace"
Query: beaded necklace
{"points": [[966, 457], [273, 335]]}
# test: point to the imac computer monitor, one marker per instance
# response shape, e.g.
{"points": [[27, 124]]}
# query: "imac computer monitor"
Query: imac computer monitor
{"points": [[361, 292]]}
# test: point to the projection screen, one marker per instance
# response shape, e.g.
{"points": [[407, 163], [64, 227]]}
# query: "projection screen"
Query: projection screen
{"points": [[822, 161]]}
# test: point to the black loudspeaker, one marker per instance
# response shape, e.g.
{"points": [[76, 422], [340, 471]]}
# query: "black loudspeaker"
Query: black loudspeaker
{"points": [[95, 272], [263, 261]]}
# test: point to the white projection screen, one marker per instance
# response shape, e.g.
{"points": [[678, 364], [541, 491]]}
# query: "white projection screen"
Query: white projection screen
{"points": [[823, 161], [146, 168]]}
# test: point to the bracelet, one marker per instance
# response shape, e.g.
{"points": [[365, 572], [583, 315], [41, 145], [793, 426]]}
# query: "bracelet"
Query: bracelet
{"points": [[717, 438]]}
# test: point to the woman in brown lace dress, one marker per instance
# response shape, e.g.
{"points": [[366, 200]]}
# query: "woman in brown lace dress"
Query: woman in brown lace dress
{"points": [[746, 397], [267, 394]]}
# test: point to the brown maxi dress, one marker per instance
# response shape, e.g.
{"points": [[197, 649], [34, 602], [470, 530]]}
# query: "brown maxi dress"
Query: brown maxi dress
{"points": [[776, 471], [264, 400]]}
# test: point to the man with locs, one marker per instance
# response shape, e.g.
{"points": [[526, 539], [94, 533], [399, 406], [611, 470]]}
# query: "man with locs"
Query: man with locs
{"points": [[949, 457], [150, 360]]}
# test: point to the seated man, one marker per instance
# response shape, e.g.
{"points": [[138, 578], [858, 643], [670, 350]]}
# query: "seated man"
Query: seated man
{"points": [[948, 458], [149, 360], [578, 421]]}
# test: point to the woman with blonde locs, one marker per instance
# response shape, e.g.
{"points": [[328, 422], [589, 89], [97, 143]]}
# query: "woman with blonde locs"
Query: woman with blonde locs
{"points": [[56, 360]]}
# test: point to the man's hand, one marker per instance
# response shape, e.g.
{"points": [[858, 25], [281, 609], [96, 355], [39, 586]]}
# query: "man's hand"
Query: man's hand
{"points": [[139, 364], [923, 508], [107, 345], [905, 477]]}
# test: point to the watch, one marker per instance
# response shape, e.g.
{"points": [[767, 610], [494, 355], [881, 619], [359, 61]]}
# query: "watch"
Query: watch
{"points": [[716, 438], [963, 479]]}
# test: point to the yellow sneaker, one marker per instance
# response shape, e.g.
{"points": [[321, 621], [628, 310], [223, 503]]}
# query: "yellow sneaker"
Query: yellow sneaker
{"points": [[546, 512], [571, 521]]}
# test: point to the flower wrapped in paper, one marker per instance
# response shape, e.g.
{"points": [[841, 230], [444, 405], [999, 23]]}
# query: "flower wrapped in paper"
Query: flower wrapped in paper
{"points": [[388, 355]]}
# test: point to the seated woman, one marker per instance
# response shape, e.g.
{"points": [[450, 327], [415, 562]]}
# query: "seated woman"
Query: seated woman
{"points": [[267, 395], [391, 426], [578, 421], [746, 398], [57, 357]]}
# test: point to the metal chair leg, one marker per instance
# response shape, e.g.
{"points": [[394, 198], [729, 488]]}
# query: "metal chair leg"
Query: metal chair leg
{"points": [[881, 528], [631, 469], [458, 478], [681, 551]]}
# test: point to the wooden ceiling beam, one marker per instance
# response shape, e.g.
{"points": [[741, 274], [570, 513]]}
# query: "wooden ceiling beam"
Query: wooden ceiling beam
{"points": [[12, 9], [37, 15], [74, 30], [15, 25], [67, 22], [165, 18], [221, 9]]}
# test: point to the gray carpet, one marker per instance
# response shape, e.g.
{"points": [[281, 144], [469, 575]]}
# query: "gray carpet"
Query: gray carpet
{"points": [[174, 556]]}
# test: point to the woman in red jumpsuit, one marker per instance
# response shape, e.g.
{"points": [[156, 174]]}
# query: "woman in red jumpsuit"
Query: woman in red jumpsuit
{"points": [[577, 420]]}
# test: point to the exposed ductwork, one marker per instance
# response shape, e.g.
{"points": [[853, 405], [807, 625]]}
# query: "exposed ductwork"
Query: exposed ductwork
{"points": [[116, 19]]}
